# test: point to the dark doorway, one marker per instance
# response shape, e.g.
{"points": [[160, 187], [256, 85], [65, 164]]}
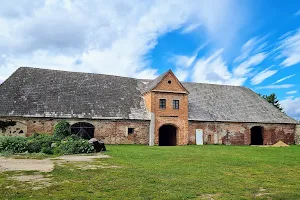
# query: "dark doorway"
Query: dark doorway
{"points": [[257, 135], [167, 135], [83, 129]]}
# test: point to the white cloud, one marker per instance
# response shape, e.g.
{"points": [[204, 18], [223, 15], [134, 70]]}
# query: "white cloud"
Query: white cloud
{"points": [[252, 46], [190, 28], [213, 69], [276, 86], [260, 77], [247, 66], [292, 92], [183, 61], [181, 74], [290, 49], [297, 13], [103, 37], [284, 78], [291, 107]]}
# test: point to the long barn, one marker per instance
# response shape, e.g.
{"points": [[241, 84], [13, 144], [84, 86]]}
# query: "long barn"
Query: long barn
{"points": [[122, 110]]}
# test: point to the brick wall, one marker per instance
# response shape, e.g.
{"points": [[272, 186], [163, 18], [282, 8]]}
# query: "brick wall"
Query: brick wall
{"points": [[170, 89], [37, 125], [111, 131], [178, 118], [240, 133]]}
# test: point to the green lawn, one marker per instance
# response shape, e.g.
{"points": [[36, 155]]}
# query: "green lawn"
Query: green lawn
{"points": [[181, 172]]}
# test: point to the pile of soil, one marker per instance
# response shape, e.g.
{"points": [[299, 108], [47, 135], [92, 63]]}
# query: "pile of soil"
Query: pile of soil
{"points": [[280, 144]]}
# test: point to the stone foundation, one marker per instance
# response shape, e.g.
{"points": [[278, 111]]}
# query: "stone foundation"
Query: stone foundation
{"points": [[240, 133]]}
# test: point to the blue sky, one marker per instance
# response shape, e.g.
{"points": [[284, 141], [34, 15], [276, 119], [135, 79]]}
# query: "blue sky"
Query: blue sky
{"points": [[251, 43]]}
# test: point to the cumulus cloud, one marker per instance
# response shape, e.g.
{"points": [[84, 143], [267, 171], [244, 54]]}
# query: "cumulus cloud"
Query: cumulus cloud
{"points": [[98, 36], [261, 76], [284, 78], [291, 107]]}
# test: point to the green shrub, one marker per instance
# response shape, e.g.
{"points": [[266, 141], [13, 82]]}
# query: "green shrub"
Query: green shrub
{"points": [[13, 144], [74, 146], [37, 142], [47, 150], [62, 130]]}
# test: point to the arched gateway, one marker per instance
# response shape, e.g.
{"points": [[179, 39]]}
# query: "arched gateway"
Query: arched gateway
{"points": [[83, 129], [167, 135], [257, 135]]}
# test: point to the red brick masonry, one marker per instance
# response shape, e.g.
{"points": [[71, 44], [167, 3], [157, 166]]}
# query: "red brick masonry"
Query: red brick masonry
{"points": [[240, 133]]}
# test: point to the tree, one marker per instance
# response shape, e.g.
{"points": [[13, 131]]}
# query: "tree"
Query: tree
{"points": [[272, 99]]}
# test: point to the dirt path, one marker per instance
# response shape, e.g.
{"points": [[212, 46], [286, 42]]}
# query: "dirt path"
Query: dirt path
{"points": [[45, 165]]}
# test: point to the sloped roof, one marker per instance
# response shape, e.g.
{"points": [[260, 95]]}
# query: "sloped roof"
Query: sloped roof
{"points": [[210, 102], [32, 92], [51, 93]]}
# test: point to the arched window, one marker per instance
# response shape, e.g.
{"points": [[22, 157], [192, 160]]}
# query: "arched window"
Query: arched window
{"points": [[83, 129]]}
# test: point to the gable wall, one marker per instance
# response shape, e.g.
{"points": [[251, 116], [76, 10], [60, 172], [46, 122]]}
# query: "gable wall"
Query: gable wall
{"points": [[165, 86]]}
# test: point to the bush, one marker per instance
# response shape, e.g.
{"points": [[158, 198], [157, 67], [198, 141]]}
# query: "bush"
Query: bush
{"points": [[62, 130], [47, 150], [39, 141], [13, 144], [74, 146]]}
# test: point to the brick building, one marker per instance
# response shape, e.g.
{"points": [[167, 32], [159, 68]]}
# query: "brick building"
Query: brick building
{"points": [[122, 110]]}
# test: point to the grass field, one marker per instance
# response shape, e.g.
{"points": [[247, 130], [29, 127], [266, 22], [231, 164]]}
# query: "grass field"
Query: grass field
{"points": [[181, 172]]}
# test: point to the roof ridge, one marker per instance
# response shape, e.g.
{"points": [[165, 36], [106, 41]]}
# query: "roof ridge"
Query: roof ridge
{"points": [[92, 73], [112, 75]]}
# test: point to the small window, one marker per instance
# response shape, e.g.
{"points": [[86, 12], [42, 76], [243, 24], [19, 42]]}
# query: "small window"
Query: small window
{"points": [[130, 131], [162, 103], [169, 81], [175, 104]]}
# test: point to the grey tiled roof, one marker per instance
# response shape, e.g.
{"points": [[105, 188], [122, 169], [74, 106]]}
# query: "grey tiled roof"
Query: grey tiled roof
{"points": [[210, 102], [32, 92], [60, 94]]}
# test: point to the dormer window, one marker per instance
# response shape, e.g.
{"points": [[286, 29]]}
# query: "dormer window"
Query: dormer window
{"points": [[162, 103]]}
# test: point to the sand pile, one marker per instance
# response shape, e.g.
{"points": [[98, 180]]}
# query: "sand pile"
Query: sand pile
{"points": [[280, 144]]}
